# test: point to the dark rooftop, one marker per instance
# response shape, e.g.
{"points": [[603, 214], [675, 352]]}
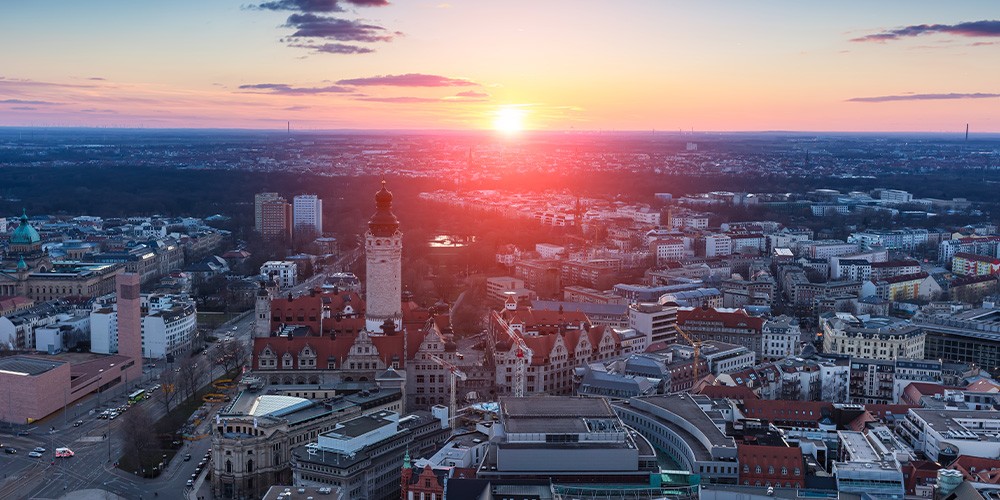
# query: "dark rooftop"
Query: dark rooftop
{"points": [[24, 365]]}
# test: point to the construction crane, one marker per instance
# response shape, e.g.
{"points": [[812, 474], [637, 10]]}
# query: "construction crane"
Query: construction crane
{"points": [[697, 350], [522, 359], [454, 373]]}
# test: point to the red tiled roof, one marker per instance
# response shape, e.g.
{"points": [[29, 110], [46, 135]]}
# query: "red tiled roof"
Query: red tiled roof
{"points": [[895, 263], [883, 411], [771, 460], [906, 277], [978, 469], [736, 319], [915, 390], [983, 385], [978, 258], [722, 391], [971, 280], [858, 424], [786, 410]]}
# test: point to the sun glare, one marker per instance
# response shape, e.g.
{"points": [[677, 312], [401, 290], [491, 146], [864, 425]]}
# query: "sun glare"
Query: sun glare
{"points": [[509, 120]]}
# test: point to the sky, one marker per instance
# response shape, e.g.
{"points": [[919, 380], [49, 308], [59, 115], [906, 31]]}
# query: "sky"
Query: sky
{"points": [[502, 65]]}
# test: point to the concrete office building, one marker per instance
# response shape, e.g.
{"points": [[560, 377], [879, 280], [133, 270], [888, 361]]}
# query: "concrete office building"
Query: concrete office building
{"points": [[656, 321], [689, 430], [566, 440]]}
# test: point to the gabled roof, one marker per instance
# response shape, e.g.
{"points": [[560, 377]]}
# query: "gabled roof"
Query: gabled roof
{"points": [[770, 456], [729, 319], [978, 469], [983, 385]]}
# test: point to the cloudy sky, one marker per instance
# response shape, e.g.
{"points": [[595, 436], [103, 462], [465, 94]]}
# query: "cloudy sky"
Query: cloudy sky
{"points": [[477, 64]]}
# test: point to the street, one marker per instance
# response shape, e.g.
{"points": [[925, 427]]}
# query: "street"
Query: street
{"points": [[91, 467], [96, 442]]}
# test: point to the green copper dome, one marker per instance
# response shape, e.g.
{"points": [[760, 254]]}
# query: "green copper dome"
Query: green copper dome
{"points": [[24, 234]]}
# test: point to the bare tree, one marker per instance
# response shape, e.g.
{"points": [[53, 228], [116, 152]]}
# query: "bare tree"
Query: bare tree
{"points": [[168, 388], [232, 354], [138, 436], [190, 377]]}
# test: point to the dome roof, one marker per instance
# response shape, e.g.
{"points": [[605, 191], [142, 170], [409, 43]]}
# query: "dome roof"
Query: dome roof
{"points": [[383, 196], [384, 222], [24, 234]]}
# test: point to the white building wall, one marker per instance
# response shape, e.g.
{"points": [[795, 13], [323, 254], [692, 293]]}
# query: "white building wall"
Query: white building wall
{"points": [[104, 332], [308, 212]]}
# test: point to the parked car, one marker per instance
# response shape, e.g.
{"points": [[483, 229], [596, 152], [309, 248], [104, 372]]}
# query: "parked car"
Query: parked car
{"points": [[190, 483], [34, 454], [39, 449], [187, 457], [10, 451], [78, 423]]}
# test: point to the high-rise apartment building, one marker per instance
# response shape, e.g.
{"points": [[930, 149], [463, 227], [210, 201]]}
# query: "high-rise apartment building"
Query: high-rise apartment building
{"points": [[276, 219], [258, 209], [308, 215]]}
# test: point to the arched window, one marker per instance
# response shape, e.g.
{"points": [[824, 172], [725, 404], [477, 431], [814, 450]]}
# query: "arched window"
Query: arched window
{"points": [[229, 466], [249, 466], [784, 471], [746, 469], [770, 470], [757, 470]]}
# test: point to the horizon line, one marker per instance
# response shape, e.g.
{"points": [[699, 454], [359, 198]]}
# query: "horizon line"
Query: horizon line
{"points": [[283, 130]]}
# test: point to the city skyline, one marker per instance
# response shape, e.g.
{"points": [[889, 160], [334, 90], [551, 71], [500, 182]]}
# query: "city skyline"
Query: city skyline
{"points": [[374, 64]]}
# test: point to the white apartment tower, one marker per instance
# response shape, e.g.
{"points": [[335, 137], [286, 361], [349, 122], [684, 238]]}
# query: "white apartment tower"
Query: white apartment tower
{"points": [[307, 214], [383, 249]]}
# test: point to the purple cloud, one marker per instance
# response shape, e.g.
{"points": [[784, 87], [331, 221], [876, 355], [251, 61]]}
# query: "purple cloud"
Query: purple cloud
{"points": [[317, 5], [410, 99], [333, 48], [971, 29], [473, 94], [285, 89], [924, 97], [23, 108], [25, 102], [332, 28], [409, 80]]}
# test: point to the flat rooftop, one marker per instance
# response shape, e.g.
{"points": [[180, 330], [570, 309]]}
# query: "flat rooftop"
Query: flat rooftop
{"points": [[87, 370], [357, 427], [701, 453], [27, 366], [553, 414], [685, 406], [857, 447], [945, 421]]}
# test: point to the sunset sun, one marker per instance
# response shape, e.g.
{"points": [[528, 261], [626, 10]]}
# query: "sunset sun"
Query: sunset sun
{"points": [[509, 120]]}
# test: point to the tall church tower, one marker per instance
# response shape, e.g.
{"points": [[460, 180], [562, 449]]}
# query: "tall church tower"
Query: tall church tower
{"points": [[383, 249], [262, 311]]}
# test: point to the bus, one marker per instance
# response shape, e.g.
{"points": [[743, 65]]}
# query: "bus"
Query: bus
{"points": [[137, 396], [64, 453]]}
